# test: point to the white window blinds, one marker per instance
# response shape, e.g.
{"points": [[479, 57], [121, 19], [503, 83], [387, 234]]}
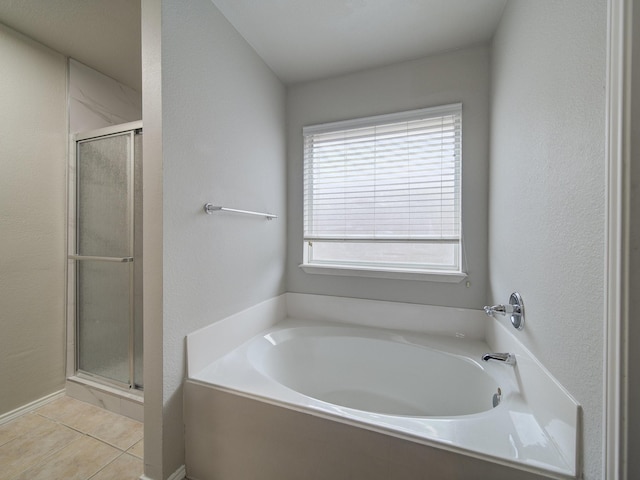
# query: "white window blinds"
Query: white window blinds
{"points": [[389, 178]]}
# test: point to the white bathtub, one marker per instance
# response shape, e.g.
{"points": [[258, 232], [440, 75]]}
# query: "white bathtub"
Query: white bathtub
{"points": [[377, 371], [430, 389]]}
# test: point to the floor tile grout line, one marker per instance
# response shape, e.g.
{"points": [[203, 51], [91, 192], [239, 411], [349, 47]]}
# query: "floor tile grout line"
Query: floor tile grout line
{"points": [[112, 445], [56, 449], [59, 420], [104, 466], [62, 423], [71, 427], [25, 433]]}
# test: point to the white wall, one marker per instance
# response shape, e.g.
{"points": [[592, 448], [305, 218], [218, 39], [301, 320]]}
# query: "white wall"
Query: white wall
{"points": [[633, 341], [547, 190], [33, 158], [223, 141], [460, 76]]}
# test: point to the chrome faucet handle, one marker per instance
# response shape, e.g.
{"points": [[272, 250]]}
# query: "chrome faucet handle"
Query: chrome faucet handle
{"points": [[507, 358], [492, 310], [515, 308]]}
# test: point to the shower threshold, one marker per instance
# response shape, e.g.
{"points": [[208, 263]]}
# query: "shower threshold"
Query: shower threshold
{"points": [[129, 403]]}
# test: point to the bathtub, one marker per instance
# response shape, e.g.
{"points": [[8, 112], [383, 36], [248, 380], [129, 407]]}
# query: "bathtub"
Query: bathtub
{"points": [[428, 389], [376, 372]]}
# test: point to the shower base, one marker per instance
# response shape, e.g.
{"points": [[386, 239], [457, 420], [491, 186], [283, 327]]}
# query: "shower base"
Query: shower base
{"points": [[127, 403]]}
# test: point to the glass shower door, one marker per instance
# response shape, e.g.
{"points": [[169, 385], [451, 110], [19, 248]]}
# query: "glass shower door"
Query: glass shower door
{"points": [[107, 336]]}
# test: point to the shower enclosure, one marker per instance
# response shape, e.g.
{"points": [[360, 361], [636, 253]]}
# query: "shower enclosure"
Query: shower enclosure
{"points": [[106, 248]]}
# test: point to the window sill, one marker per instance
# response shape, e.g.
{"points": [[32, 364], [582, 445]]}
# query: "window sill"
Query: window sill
{"points": [[392, 273]]}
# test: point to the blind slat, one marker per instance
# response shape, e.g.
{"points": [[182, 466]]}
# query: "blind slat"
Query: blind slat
{"points": [[396, 181]]}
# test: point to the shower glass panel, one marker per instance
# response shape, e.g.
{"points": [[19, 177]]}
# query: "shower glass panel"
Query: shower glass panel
{"points": [[104, 197], [103, 308], [108, 256]]}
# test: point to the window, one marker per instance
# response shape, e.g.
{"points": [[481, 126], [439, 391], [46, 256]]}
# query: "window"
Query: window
{"points": [[383, 193]]}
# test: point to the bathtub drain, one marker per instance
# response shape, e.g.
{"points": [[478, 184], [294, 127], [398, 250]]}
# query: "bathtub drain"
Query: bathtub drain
{"points": [[497, 397]]}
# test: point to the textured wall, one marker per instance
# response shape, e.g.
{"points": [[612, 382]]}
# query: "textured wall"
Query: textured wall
{"points": [[151, 37], [461, 76], [547, 190], [634, 261], [223, 129], [33, 158]]}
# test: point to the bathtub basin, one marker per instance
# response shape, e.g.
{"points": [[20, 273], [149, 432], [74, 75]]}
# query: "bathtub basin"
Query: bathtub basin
{"points": [[373, 371]]}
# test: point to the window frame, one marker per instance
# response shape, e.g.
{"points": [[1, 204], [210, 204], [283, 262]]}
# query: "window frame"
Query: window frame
{"points": [[380, 270]]}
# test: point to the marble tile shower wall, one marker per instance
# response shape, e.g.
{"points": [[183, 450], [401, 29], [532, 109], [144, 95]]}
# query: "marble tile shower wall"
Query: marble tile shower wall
{"points": [[97, 101]]}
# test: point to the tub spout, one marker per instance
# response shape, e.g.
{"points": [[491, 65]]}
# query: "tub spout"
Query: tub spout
{"points": [[507, 358]]}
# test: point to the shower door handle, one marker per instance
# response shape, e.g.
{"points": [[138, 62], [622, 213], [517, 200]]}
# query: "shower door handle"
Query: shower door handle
{"points": [[101, 259]]}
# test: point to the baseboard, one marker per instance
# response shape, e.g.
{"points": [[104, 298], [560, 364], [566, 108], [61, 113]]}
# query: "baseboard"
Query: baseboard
{"points": [[7, 417], [179, 474]]}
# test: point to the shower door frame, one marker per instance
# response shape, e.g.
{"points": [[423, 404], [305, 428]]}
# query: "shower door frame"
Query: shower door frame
{"points": [[132, 128]]}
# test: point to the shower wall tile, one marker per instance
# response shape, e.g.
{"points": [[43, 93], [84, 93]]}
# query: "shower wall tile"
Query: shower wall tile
{"points": [[97, 101]]}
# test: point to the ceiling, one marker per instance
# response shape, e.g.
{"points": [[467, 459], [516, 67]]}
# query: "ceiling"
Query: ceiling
{"points": [[103, 34], [309, 39], [300, 40]]}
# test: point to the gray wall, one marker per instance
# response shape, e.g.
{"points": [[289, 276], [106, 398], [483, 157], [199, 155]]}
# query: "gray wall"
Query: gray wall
{"points": [[33, 158], [547, 190], [461, 76], [223, 127]]}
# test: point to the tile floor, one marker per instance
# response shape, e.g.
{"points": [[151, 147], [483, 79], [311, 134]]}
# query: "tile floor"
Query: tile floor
{"points": [[71, 440]]}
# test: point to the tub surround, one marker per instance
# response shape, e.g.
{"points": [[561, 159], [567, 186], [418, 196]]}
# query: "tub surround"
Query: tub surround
{"points": [[210, 343], [552, 405], [535, 430]]}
